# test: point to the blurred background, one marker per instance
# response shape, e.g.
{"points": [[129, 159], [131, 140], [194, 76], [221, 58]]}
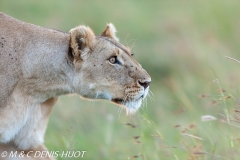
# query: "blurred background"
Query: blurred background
{"points": [[182, 44]]}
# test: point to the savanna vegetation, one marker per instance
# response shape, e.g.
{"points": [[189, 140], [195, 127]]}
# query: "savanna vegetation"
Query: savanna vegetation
{"points": [[194, 109]]}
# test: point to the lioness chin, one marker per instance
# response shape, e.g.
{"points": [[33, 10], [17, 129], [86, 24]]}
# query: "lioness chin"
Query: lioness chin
{"points": [[39, 64]]}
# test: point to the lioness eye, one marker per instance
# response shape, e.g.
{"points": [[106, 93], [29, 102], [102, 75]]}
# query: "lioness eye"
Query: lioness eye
{"points": [[112, 60]]}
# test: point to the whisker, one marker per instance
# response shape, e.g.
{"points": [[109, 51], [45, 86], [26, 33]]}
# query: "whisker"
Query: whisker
{"points": [[125, 41], [149, 96], [144, 104], [122, 103], [151, 93], [125, 98], [133, 44], [131, 41], [119, 112]]}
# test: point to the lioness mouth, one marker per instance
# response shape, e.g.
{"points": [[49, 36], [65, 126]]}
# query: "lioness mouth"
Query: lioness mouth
{"points": [[131, 106], [121, 101], [118, 101]]}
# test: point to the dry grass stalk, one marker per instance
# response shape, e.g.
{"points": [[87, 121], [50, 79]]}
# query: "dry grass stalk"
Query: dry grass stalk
{"points": [[232, 59]]}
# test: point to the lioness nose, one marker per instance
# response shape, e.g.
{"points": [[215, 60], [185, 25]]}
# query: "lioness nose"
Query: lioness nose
{"points": [[144, 84]]}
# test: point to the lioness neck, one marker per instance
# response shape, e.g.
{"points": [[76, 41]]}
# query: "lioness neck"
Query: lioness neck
{"points": [[33, 60], [49, 74]]}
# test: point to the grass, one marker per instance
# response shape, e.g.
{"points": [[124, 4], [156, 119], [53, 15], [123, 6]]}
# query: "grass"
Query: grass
{"points": [[182, 44]]}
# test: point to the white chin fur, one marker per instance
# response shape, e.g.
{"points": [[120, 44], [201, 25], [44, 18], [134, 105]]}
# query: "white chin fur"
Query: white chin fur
{"points": [[133, 106]]}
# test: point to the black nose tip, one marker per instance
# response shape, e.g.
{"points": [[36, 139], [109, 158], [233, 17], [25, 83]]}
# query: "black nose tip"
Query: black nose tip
{"points": [[145, 84]]}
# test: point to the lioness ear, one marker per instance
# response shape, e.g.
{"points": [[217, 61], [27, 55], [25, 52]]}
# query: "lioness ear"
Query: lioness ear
{"points": [[110, 31], [81, 38]]}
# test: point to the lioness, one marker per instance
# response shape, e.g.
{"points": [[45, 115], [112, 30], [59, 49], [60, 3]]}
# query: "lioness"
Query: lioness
{"points": [[39, 64]]}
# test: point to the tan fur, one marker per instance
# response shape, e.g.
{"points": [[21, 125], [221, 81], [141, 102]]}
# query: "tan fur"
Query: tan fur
{"points": [[110, 32], [39, 64]]}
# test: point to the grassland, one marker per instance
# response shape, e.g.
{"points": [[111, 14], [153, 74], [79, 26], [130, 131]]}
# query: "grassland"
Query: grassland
{"points": [[182, 45]]}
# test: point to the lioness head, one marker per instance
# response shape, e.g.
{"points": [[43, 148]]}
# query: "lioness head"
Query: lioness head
{"points": [[106, 69]]}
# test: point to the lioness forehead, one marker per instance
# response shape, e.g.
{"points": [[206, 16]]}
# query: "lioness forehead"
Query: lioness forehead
{"points": [[117, 44]]}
